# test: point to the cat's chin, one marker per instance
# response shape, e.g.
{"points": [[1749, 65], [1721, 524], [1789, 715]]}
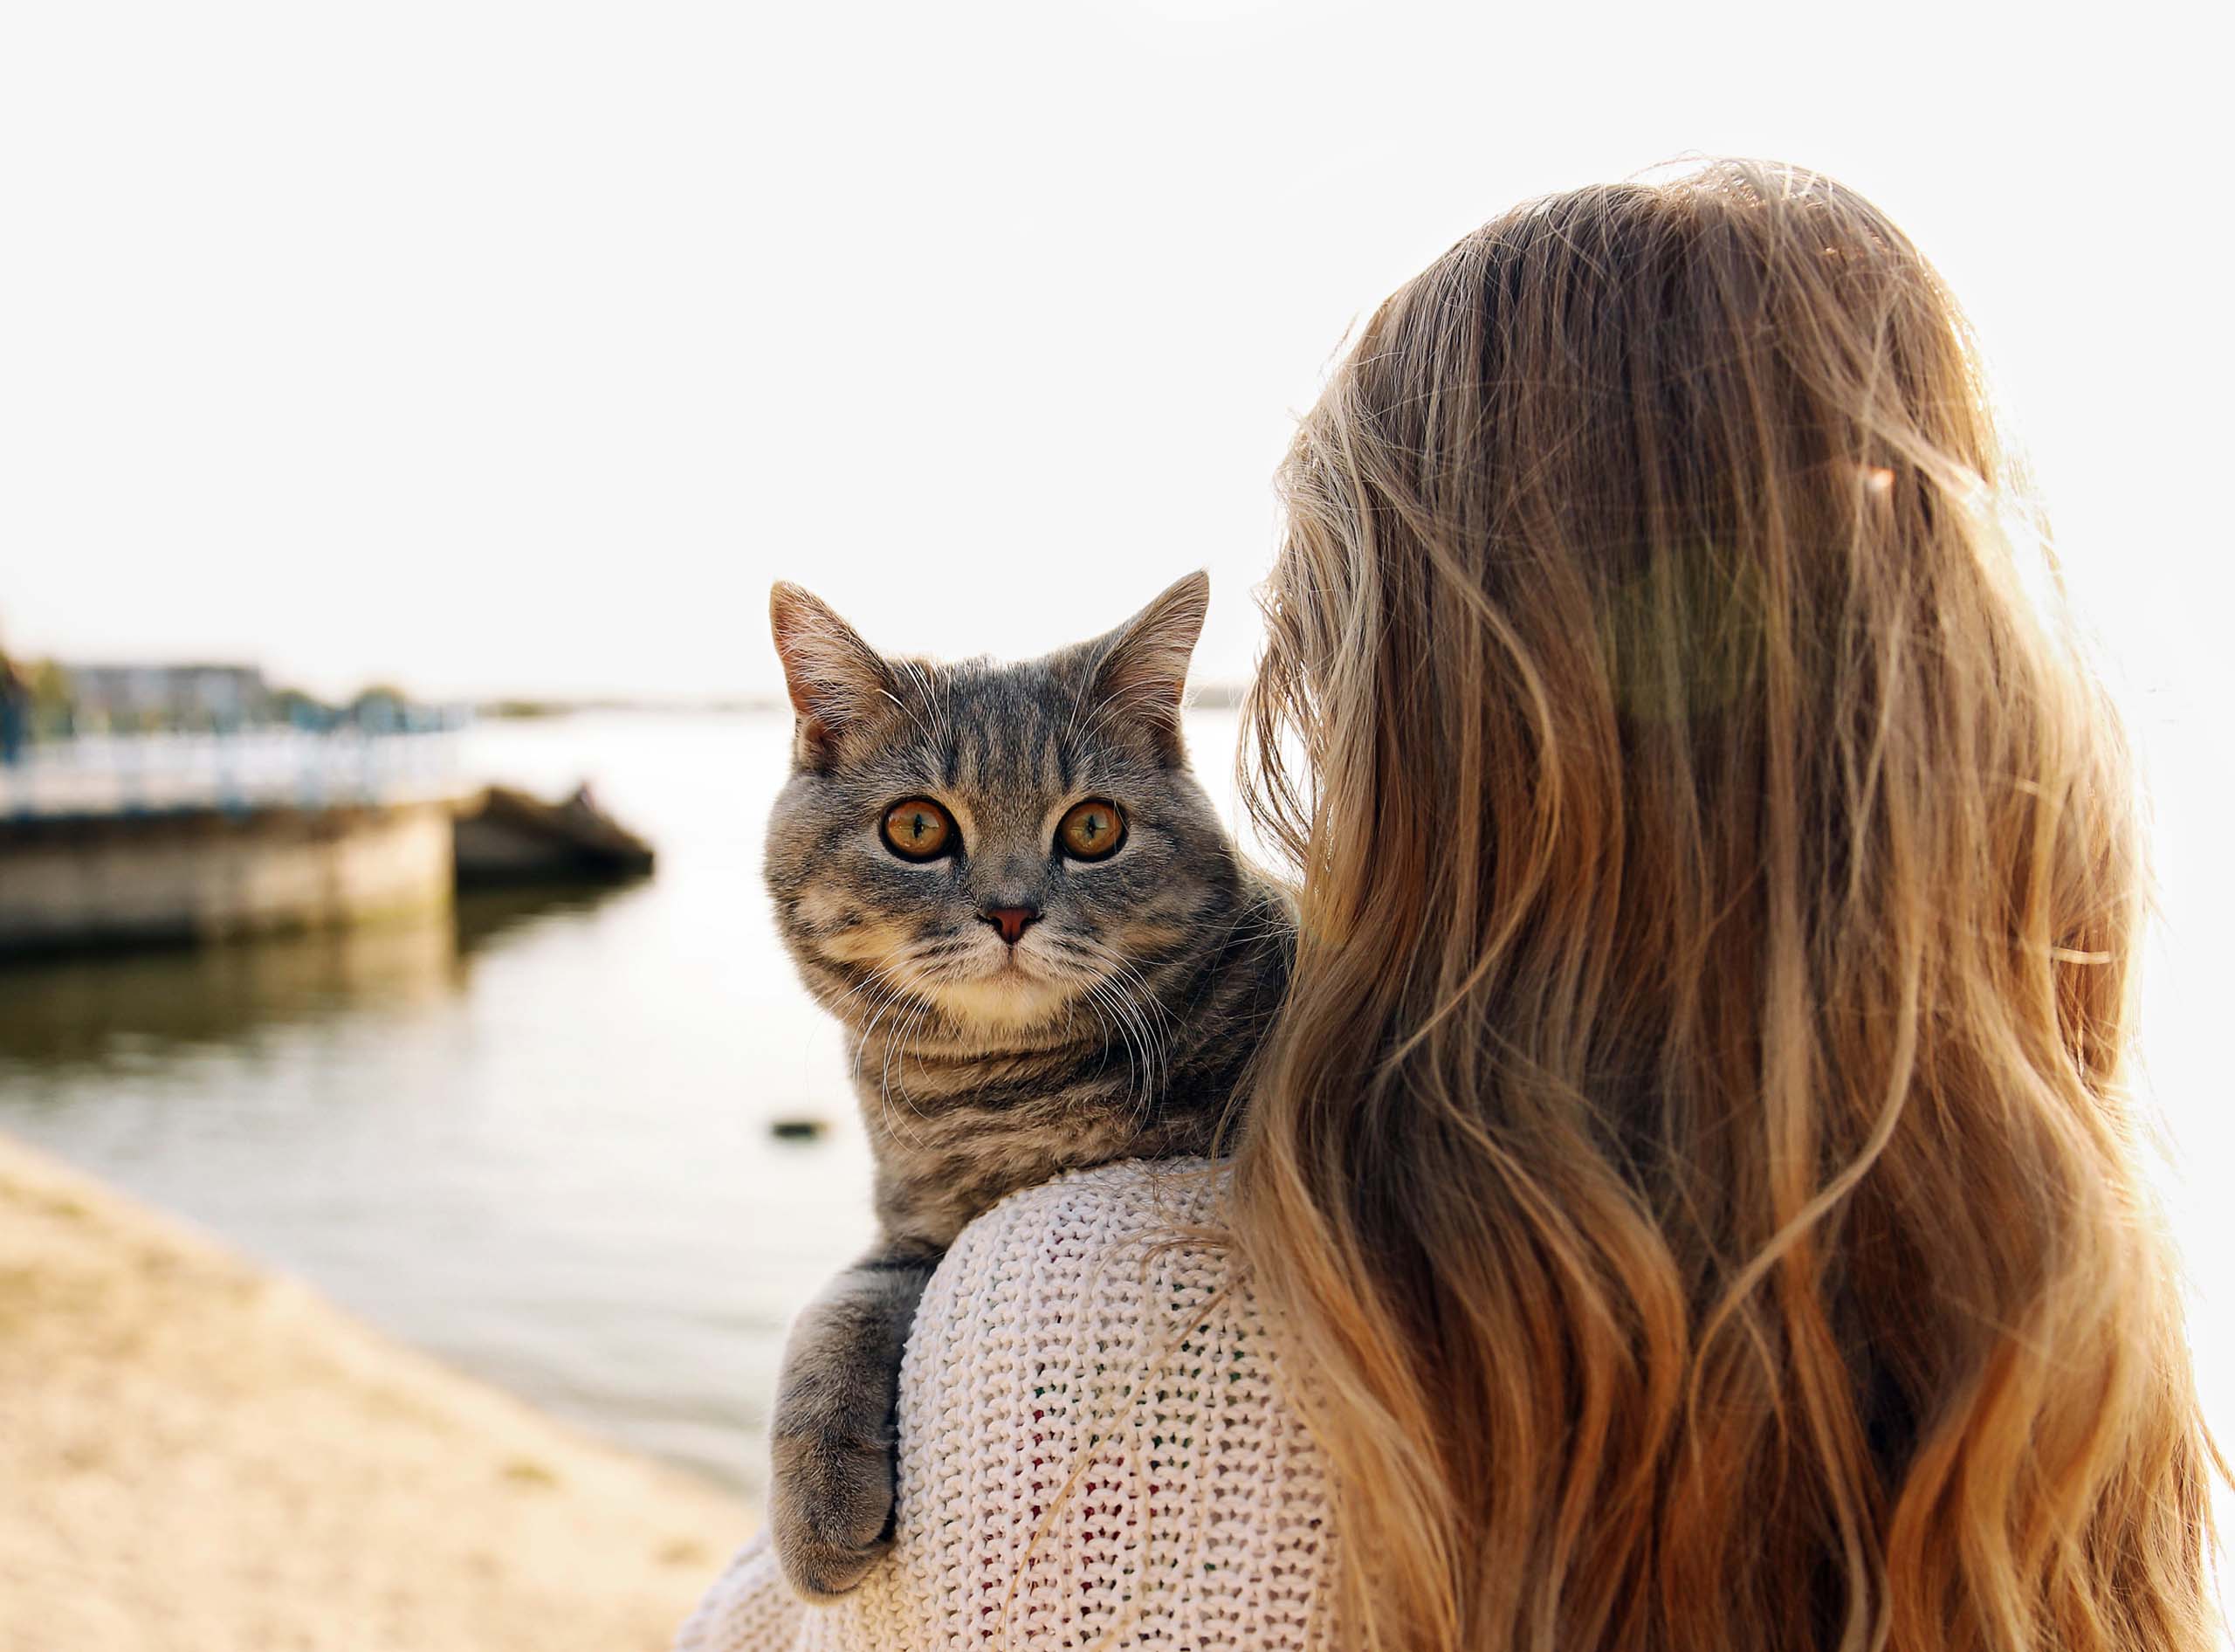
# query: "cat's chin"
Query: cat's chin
{"points": [[1006, 1001]]}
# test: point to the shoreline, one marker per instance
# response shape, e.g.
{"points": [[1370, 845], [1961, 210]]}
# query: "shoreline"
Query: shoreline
{"points": [[203, 1453]]}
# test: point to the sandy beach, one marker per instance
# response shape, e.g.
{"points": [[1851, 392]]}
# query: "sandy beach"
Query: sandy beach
{"points": [[199, 1455]]}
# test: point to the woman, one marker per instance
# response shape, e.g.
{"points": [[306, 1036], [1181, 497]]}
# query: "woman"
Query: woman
{"points": [[1688, 1204]]}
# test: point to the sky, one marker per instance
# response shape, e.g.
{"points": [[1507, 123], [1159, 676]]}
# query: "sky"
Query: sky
{"points": [[493, 347]]}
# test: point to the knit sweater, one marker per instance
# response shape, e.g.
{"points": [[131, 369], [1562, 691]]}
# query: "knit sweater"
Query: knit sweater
{"points": [[1093, 1452]]}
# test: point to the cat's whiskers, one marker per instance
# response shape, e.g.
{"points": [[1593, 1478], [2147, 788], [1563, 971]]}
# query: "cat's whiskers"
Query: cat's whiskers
{"points": [[902, 991], [881, 977], [1117, 1022], [1116, 966], [1096, 1002], [1140, 1068], [1131, 987], [897, 1041], [878, 983], [884, 1078], [861, 1039]]}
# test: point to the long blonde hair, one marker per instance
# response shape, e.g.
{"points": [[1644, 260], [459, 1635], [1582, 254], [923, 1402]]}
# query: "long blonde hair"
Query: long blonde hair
{"points": [[1691, 1175]]}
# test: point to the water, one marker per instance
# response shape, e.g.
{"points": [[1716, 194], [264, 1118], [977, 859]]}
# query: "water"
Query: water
{"points": [[535, 1141]]}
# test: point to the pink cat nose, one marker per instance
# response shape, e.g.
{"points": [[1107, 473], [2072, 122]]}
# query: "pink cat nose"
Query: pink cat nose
{"points": [[1012, 921]]}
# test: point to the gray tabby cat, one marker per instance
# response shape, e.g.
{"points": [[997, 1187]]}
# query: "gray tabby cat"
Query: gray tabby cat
{"points": [[1005, 883]]}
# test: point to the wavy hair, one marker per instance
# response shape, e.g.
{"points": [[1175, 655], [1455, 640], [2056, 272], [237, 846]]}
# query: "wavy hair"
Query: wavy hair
{"points": [[1692, 1173]]}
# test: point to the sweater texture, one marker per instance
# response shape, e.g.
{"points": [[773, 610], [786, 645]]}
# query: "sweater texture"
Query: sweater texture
{"points": [[1096, 1451]]}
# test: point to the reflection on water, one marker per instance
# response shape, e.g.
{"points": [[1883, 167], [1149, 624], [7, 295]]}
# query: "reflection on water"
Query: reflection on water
{"points": [[149, 1006], [484, 915], [136, 1005]]}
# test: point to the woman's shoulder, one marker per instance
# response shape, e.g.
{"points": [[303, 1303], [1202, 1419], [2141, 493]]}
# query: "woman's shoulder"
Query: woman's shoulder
{"points": [[1095, 1439], [1168, 1201], [1086, 1273], [1089, 1402]]}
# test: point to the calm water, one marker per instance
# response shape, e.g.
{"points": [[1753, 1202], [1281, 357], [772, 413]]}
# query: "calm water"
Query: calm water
{"points": [[535, 1141]]}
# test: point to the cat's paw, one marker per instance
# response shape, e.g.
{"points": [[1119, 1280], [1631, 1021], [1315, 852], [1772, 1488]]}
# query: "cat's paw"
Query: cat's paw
{"points": [[829, 1509]]}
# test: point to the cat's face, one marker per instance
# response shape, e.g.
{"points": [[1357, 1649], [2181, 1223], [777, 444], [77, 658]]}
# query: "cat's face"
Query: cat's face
{"points": [[1005, 846]]}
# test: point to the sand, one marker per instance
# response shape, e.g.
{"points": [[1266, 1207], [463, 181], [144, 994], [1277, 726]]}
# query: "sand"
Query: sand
{"points": [[196, 1454]]}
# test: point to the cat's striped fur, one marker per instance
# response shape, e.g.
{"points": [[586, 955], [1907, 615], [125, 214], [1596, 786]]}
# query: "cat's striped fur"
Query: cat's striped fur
{"points": [[1120, 1023]]}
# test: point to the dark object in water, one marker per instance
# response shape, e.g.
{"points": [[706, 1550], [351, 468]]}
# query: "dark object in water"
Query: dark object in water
{"points": [[798, 1129], [507, 837]]}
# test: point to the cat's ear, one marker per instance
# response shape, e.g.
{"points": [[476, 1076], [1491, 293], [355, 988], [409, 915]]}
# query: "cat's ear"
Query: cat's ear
{"points": [[833, 678], [1142, 663]]}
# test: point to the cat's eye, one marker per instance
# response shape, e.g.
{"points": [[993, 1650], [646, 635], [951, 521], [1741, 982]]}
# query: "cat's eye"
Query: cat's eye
{"points": [[920, 830], [1091, 830]]}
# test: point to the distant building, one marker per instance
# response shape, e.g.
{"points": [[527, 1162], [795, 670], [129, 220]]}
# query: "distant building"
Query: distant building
{"points": [[170, 693]]}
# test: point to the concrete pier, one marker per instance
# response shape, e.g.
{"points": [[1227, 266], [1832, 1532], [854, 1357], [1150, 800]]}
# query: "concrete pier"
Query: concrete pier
{"points": [[214, 874]]}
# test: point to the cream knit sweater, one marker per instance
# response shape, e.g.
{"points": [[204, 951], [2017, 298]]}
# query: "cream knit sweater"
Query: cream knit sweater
{"points": [[1093, 1452]]}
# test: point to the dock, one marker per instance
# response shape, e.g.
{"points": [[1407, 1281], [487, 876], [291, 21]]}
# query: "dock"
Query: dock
{"points": [[165, 842]]}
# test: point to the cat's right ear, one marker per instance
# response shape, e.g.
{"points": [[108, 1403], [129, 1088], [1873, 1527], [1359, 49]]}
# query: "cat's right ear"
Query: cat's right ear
{"points": [[833, 678]]}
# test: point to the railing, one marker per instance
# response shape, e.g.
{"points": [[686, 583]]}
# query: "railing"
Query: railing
{"points": [[107, 775]]}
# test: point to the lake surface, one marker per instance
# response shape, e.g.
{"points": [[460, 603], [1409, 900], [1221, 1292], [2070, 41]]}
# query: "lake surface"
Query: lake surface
{"points": [[536, 1142]]}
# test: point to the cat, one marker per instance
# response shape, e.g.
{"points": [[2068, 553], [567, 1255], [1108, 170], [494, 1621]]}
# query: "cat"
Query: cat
{"points": [[1007, 886]]}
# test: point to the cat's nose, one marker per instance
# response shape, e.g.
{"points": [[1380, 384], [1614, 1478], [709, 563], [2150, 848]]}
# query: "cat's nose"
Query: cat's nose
{"points": [[1012, 921]]}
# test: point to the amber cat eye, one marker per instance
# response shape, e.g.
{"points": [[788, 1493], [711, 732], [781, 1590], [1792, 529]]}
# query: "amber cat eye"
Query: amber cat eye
{"points": [[1091, 830], [919, 829]]}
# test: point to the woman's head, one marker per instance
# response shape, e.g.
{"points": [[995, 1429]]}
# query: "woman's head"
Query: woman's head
{"points": [[1693, 1158]]}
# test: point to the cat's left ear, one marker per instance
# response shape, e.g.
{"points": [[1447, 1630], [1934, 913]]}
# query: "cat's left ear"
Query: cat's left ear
{"points": [[835, 678], [1142, 663]]}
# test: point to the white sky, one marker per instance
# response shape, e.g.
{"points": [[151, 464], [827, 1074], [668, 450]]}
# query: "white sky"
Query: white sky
{"points": [[516, 347]]}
